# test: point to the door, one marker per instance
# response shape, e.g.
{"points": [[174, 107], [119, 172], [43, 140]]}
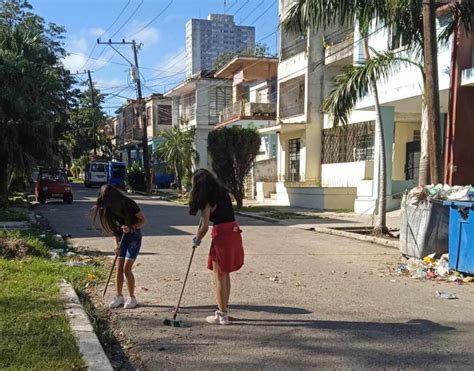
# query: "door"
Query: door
{"points": [[294, 160], [412, 164]]}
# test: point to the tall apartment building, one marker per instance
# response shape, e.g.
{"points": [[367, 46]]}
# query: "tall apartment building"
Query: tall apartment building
{"points": [[207, 38]]}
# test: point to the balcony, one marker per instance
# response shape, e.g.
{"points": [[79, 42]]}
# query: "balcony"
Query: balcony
{"points": [[247, 110], [297, 47], [468, 77], [133, 135], [339, 52]]}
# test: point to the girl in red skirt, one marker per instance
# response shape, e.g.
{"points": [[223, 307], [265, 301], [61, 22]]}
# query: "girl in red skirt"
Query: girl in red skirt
{"points": [[226, 255]]}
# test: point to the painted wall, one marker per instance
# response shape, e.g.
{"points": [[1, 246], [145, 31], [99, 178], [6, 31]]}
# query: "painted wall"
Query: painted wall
{"points": [[403, 135], [347, 174], [327, 198]]}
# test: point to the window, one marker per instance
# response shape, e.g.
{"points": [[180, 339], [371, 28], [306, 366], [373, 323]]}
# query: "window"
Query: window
{"points": [[294, 160], [292, 100], [164, 114], [149, 116]]}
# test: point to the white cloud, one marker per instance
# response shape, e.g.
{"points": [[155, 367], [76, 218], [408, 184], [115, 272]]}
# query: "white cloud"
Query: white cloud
{"points": [[109, 83], [96, 31], [172, 63], [148, 36], [75, 62]]}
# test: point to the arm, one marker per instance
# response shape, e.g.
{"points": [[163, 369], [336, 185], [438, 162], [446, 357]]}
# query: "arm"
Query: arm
{"points": [[140, 223], [203, 225]]}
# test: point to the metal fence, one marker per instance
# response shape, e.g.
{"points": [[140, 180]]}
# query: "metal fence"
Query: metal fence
{"points": [[349, 143]]}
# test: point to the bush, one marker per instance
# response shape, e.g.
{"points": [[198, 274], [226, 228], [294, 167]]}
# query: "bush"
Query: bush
{"points": [[136, 177]]}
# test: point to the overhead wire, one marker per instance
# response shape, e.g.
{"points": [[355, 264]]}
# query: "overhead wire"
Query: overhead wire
{"points": [[153, 20]]}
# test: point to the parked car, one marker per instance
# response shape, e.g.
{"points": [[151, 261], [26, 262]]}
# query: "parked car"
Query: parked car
{"points": [[53, 184], [96, 173]]}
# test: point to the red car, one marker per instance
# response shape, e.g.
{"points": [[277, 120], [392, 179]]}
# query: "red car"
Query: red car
{"points": [[53, 184]]}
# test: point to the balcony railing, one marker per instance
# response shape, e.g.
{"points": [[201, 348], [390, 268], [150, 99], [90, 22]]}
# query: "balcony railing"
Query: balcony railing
{"points": [[133, 134], [339, 50], [295, 109], [248, 109], [295, 48]]}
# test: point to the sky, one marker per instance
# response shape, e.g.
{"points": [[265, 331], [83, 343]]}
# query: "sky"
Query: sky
{"points": [[159, 25]]}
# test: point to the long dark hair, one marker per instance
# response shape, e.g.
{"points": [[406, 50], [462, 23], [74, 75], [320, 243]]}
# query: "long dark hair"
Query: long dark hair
{"points": [[111, 204], [206, 189]]}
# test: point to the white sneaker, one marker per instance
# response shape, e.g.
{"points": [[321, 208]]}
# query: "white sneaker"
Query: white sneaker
{"points": [[117, 302], [219, 317], [131, 303]]}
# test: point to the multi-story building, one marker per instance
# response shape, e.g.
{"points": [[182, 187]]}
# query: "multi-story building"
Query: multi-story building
{"points": [[197, 102], [207, 38], [254, 101], [330, 167], [129, 129]]}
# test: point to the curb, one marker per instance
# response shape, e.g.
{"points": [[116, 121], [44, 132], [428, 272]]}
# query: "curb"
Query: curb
{"points": [[89, 345], [355, 236], [258, 217]]}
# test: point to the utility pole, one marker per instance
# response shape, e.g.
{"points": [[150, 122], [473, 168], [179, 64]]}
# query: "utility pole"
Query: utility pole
{"points": [[141, 117], [432, 89], [91, 88]]}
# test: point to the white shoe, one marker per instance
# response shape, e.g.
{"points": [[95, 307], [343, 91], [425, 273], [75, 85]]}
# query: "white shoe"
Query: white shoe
{"points": [[131, 303], [117, 302], [219, 317]]}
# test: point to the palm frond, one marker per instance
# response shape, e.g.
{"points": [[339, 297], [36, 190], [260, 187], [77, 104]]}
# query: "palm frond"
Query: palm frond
{"points": [[462, 16], [355, 82]]}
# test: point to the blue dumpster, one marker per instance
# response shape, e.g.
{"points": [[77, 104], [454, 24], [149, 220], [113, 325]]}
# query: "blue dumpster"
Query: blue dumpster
{"points": [[461, 235]]}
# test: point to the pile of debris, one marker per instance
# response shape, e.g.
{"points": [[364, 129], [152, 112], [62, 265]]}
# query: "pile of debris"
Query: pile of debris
{"points": [[440, 192], [430, 268]]}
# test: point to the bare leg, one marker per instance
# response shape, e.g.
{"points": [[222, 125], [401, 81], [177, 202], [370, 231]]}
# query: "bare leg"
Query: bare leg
{"points": [[227, 287], [221, 287], [119, 276], [130, 277]]}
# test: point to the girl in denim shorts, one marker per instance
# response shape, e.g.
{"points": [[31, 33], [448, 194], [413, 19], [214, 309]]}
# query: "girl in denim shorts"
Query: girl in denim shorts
{"points": [[121, 217]]}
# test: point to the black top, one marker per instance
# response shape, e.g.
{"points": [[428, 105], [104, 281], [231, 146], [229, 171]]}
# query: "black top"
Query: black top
{"points": [[129, 217], [224, 212]]}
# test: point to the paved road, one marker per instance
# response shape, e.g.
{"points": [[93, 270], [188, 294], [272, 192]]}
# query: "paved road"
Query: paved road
{"points": [[334, 304]]}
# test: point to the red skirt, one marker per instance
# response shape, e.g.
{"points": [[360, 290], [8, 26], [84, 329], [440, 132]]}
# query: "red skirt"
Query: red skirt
{"points": [[226, 247]]}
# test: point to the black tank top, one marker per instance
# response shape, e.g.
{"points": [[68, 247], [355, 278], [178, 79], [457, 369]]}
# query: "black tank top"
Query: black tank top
{"points": [[224, 212]]}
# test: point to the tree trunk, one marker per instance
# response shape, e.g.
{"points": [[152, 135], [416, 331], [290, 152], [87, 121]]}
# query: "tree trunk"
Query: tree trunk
{"points": [[423, 176], [178, 179], [3, 181], [432, 89], [239, 199], [381, 221]]}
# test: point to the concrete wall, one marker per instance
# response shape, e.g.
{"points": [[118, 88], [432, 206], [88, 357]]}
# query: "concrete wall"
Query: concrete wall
{"points": [[264, 190], [347, 174], [319, 198], [403, 135]]}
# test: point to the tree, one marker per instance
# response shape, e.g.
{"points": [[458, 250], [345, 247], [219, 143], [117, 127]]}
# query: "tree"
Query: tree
{"points": [[233, 151], [36, 92], [178, 152], [84, 132], [261, 49]]}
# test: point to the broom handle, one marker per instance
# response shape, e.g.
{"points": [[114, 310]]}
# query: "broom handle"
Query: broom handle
{"points": [[113, 266], [184, 284]]}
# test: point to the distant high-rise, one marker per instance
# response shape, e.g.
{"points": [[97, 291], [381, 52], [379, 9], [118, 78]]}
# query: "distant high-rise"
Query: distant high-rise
{"points": [[207, 38]]}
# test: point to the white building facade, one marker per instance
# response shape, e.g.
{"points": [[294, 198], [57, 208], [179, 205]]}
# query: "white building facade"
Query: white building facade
{"points": [[207, 38], [197, 102]]}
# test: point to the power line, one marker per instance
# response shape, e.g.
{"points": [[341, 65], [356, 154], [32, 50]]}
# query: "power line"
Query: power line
{"points": [[251, 12], [128, 19], [108, 29], [261, 15], [153, 20], [238, 10]]}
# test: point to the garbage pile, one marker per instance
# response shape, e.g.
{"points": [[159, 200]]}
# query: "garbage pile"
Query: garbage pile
{"points": [[440, 192], [430, 268]]}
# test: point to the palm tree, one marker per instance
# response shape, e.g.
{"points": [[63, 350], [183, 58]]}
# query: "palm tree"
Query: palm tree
{"points": [[179, 153], [356, 81]]}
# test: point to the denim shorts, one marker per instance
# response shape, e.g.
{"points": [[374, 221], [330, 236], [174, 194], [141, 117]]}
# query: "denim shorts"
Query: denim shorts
{"points": [[131, 244]]}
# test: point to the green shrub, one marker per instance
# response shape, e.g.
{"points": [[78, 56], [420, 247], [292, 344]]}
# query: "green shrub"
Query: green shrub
{"points": [[136, 177]]}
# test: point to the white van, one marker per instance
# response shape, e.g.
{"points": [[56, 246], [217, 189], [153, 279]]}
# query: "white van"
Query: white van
{"points": [[96, 173]]}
